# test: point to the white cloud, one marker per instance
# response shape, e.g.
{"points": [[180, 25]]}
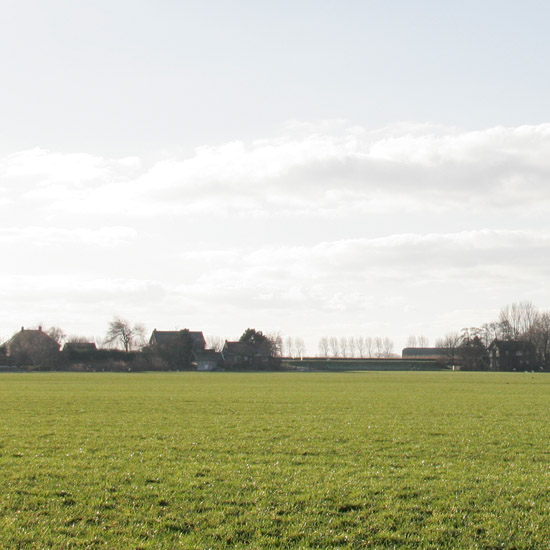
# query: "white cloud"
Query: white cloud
{"points": [[349, 272], [325, 270], [45, 167], [54, 236], [403, 169]]}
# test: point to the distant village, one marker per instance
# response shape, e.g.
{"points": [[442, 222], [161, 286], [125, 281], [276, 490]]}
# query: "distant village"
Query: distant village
{"points": [[166, 350], [518, 341]]}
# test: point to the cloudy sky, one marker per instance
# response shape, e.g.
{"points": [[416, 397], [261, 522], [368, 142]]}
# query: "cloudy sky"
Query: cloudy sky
{"points": [[350, 168]]}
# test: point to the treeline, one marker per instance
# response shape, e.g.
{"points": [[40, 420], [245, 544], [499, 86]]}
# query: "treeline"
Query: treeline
{"points": [[521, 321], [356, 347], [129, 350]]}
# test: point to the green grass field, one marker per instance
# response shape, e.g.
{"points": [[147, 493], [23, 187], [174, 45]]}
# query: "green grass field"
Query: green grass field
{"points": [[200, 460]]}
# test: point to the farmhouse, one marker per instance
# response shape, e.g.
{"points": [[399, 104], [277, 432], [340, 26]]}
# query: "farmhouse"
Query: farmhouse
{"points": [[31, 348], [509, 355], [183, 349], [244, 355], [167, 337]]}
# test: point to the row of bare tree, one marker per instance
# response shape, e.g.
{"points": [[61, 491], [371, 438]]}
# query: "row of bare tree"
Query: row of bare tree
{"points": [[417, 342], [356, 347]]}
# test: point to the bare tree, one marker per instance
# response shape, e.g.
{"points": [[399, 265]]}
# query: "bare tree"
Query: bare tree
{"points": [[215, 342], [344, 346], [528, 317], [352, 344], [379, 346], [387, 344], [334, 348], [58, 334], [120, 330], [276, 343], [323, 347], [78, 339], [451, 339], [300, 347], [490, 332], [289, 346], [471, 333], [450, 342], [411, 342], [417, 341], [423, 341], [517, 319], [369, 346], [360, 346]]}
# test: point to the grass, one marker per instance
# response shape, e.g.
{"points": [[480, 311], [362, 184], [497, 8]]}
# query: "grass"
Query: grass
{"points": [[312, 460], [344, 365]]}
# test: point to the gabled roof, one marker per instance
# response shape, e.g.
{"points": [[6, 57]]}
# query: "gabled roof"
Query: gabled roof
{"points": [[159, 337], [30, 338], [241, 348]]}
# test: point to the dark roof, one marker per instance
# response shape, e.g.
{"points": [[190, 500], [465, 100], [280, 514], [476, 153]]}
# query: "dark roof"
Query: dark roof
{"points": [[32, 338], [160, 337], [424, 352], [241, 348]]}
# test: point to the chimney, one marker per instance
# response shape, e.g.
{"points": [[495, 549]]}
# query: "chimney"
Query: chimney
{"points": [[40, 328]]}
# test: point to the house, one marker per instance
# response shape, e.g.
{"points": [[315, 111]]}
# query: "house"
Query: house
{"points": [[208, 360], [31, 347], [510, 355], [244, 355], [167, 337], [175, 349]]}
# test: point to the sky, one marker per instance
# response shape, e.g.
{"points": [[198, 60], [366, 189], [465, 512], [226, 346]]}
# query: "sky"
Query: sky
{"points": [[351, 168]]}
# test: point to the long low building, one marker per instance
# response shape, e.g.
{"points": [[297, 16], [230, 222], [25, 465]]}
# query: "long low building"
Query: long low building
{"points": [[407, 353]]}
